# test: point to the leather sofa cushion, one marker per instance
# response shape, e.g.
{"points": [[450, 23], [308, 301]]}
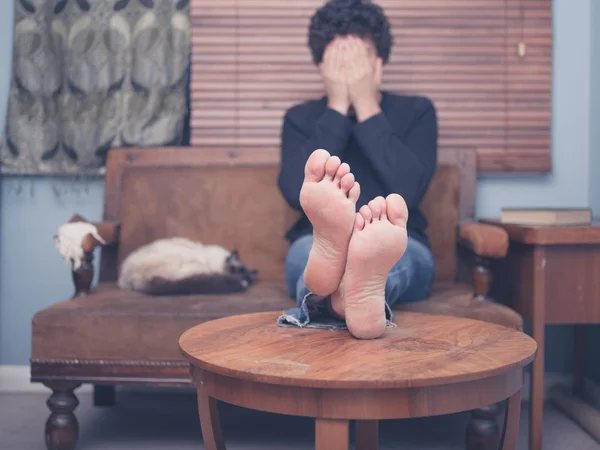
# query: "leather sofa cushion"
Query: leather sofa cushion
{"points": [[117, 325], [457, 300], [113, 324]]}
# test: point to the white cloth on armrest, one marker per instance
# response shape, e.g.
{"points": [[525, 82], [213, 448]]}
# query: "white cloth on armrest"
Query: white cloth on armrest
{"points": [[69, 240]]}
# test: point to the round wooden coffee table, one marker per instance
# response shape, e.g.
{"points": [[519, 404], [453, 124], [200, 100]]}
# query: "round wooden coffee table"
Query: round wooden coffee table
{"points": [[425, 366]]}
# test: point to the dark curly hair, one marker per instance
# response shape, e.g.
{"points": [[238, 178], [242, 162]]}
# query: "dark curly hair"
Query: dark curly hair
{"points": [[361, 18]]}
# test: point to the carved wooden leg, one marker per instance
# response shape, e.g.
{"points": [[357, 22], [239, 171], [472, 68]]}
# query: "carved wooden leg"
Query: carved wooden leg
{"points": [[510, 432], [331, 434], [83, 277], [483, 432], [482, 277], [367, 434], [104, 395], [62, 428]]}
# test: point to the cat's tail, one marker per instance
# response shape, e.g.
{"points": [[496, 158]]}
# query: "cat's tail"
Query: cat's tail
{"points": [[196, 285]]}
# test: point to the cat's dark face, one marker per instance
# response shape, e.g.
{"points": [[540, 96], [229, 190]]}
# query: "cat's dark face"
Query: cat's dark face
{"points": [[234, 265]]}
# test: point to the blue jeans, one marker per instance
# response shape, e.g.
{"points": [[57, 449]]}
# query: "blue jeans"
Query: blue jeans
{"points": [[409, 280]]}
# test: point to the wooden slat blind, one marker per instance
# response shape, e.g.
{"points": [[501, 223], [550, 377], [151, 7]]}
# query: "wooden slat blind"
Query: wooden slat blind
{"points": [[250, 62]]}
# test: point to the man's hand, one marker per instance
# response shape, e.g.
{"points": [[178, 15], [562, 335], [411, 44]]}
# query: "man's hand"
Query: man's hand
{"points": [[363, 89], [334, 76]]}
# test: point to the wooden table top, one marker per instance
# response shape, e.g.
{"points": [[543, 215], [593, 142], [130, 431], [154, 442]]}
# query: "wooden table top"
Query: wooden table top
{"points": [[422, 350], [550, 234]]}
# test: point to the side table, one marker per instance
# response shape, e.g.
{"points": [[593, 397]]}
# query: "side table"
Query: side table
{"points": [[427, 365], [550, 276]]}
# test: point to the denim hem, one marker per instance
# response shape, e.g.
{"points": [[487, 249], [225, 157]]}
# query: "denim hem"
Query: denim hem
{"points": [[312, 313]]}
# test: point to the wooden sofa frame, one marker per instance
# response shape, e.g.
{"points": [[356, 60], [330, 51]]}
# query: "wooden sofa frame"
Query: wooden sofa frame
{"points": [[63, 370]]}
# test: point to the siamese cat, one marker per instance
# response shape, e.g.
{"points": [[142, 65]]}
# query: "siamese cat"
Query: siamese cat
{"points": [[179, 266]]}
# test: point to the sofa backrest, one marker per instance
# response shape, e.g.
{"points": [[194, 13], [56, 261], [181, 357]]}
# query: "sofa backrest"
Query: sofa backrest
{"points": [[233, 201]]}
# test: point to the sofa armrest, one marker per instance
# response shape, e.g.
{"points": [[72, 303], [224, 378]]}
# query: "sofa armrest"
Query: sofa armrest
{"points": [[76, 241], [486, 241], [107, 231]]}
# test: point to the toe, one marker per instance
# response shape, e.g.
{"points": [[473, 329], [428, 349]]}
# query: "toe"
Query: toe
{"points": [[383, 215], [332, 166], [342, 171], [359, 222], [397, 212], [381, 206], [354, 192], [377, 206], [315, 166], [365, 211], [347, 182]]}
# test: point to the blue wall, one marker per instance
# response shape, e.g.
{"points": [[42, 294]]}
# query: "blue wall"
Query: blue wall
{"points": [[593, 332], [595, 110], [32, 275]]}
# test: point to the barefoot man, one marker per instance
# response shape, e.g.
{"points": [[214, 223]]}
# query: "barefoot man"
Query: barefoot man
{"points": [[356, 163]]}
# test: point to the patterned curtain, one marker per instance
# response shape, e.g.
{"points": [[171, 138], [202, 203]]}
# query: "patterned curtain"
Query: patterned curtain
{"points": [[88, 75]]}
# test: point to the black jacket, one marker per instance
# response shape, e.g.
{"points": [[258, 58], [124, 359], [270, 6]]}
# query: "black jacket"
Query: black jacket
{"points": [[392, 152]]}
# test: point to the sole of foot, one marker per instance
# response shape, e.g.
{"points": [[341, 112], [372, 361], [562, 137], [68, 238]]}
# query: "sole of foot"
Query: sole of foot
{"points": [[328, 198], [379, 240]]}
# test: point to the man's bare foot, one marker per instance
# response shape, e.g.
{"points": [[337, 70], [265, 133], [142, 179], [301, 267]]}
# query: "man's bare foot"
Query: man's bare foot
{"points": [[328, 198], [379, 240]]}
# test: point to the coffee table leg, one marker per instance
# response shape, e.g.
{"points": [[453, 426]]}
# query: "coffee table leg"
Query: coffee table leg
{"points": [[331, 434], [367, 434], [209, 420], [511, 423]]}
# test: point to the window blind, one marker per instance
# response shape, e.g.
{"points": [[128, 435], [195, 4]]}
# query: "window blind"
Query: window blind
{"points": [[250, 62]]}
